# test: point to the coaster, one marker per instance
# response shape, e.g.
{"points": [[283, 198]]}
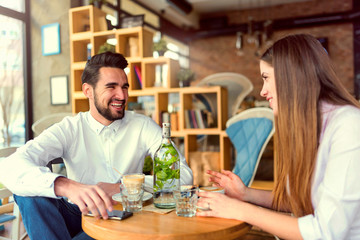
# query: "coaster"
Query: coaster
{"points": [[152, 208]]}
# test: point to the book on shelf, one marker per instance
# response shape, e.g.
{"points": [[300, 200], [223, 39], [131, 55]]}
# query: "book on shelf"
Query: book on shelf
{"points": [[137, 70], [164, 75], [187, 119], [193, 119], [158, 75], [174, 120], [199, 118]]}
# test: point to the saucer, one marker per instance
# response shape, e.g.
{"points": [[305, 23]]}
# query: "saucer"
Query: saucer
{"points": [[117, 197]]}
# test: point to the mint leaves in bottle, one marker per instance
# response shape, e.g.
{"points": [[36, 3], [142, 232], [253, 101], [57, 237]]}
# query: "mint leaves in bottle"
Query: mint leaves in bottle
{"points": [[166, 171]]}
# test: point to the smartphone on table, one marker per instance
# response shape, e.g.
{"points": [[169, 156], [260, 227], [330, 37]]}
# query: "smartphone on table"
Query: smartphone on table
{"points": [[116, 214]]}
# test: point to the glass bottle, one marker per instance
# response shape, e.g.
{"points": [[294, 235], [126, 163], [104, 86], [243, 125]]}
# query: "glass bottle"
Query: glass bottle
{"points": [[166, 171]]}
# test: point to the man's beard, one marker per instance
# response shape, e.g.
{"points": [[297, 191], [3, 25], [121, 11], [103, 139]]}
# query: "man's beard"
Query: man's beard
{"points": [[106, 112]]}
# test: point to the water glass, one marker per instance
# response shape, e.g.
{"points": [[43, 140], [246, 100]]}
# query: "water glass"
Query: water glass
{"points": [[186, 200], [132, 198]]}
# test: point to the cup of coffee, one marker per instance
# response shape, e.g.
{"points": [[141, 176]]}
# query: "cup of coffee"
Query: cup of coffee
{"points": [[212, 189], [133, 180]]}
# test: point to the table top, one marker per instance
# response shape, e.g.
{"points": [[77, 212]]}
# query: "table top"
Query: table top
{"points": [[150, 225]]}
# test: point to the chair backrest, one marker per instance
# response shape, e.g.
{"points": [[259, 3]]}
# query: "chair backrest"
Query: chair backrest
{"points": [[45, 122], [238, 87], [250, 131], [5, 152]]}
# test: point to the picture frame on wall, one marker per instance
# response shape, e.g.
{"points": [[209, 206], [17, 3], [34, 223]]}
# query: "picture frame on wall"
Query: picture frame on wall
{"points": [[59, 90], [50, 39]]}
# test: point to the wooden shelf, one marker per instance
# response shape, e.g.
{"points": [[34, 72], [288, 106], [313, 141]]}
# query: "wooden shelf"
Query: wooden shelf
{"points": [[160, 72], [88, 28]]}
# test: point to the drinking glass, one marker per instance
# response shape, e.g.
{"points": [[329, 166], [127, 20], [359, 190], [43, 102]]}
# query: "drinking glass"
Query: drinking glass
{"points": [[132, 197], [186, 200]]}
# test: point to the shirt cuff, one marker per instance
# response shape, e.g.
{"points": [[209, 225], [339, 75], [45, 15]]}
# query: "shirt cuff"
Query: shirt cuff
{"points": [[308, 227], [44, 185]]}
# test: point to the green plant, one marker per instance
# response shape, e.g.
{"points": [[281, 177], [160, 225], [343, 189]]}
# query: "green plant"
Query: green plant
{"points": [[106, 47], [185, 74], [160, 46], [163, 168], [148, 165]]}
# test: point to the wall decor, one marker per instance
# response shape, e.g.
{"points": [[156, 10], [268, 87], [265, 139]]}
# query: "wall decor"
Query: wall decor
{"points": [[59, 90], [132, 21], [50, 39]]}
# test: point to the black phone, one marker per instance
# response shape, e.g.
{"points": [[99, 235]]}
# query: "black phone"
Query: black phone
{"points": [[116, 214]]}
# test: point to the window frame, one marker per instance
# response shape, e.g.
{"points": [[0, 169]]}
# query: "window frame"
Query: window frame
{"points": [[25, 18]]}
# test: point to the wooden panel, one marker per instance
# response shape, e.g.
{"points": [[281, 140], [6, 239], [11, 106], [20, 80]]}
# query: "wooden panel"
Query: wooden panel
{"points": [[79, 19], [225, 150], [79, 49], [81, 105]]}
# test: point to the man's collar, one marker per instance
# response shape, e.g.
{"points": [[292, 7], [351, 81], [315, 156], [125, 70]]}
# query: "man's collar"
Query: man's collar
{"points": [[97, 127]]}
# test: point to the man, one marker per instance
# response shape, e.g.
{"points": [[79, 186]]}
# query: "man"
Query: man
{"points": [[94, 146]]}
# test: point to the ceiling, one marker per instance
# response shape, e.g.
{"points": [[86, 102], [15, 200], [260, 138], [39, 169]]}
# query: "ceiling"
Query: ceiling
{"points": [[201, 8]]}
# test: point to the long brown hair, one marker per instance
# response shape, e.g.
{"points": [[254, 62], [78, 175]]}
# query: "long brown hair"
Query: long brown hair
{"points": [[304, 76]]}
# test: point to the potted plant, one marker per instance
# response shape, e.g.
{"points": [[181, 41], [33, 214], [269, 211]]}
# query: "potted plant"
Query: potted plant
{"points": [[185, 76], [106, 47], [160, 47], [148, 165], [97, 3]]}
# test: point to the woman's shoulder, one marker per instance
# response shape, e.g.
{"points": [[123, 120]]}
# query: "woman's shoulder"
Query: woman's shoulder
{"points": [[346, 116]]}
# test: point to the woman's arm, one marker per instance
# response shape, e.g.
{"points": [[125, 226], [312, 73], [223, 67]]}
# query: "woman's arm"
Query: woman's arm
{"points": [[281, 225]]}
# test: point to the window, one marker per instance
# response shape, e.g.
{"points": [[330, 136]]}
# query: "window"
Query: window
{"points": [[16, 5], [13, 100]]}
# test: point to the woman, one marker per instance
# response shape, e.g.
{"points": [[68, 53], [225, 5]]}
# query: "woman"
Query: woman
{"points": [[317, 126]]}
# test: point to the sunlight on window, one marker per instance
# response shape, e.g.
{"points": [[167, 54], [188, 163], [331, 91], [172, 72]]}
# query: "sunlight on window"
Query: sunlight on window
{"points": [[17, 5], [12, 121]]}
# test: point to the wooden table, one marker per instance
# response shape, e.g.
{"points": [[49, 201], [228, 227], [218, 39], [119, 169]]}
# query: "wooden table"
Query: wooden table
{"points": [[149, 225]]}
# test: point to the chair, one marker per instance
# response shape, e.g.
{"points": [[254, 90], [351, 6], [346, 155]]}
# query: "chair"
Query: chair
{"points": [[7, 207], [238, 87], [43, 123], [250, 131]]}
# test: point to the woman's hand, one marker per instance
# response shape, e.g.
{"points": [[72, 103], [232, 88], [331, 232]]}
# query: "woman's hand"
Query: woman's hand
{"points": [[231, 182], [219, 205]]}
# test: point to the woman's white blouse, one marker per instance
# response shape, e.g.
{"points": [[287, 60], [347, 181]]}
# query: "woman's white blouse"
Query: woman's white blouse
{"points": [[336, 182]]}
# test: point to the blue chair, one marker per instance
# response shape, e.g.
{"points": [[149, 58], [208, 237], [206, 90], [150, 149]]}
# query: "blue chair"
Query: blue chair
{"points": [[250, 131]]}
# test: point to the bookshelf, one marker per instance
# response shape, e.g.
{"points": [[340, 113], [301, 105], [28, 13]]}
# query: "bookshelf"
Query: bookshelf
{"points": [[88, 28]]}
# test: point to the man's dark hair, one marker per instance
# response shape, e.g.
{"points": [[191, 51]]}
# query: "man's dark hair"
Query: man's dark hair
{"points": [[106, 59]]}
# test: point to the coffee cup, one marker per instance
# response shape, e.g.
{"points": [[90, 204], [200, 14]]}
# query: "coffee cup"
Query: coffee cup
{"points": [[212, 189], [133, 180]]}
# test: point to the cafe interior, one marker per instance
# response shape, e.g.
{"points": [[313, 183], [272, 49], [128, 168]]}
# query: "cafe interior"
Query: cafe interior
{"points": [[193, 63]]}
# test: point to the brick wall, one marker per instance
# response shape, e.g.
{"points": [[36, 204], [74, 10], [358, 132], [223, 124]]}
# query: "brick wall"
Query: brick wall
{"points": [[217, 54]]}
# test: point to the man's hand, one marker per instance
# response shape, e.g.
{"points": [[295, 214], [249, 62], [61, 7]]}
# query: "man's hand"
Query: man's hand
{"points": [[96, 198]]}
